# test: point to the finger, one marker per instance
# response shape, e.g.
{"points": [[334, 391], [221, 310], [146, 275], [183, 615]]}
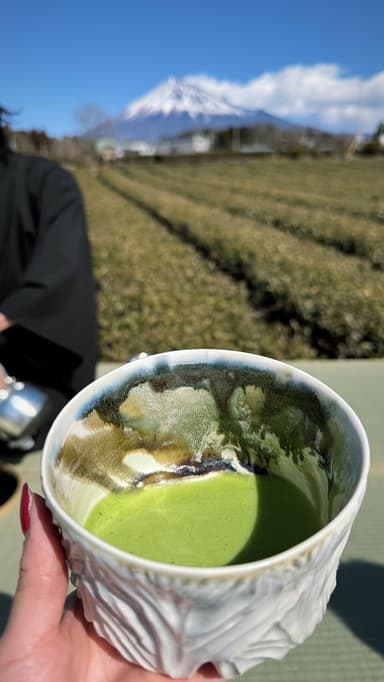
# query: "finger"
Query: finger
{"points": [[43, 580]]}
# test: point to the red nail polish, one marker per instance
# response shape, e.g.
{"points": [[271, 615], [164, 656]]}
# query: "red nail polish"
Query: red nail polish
{"points": [[25, 508]]}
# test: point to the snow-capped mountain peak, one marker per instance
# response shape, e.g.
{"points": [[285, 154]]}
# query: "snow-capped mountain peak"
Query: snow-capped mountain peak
{"points": [[178, 106], [176, 96]]}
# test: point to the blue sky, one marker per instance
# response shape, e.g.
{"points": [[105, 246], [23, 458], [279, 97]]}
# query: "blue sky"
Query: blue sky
{"points": [[57, 56]]}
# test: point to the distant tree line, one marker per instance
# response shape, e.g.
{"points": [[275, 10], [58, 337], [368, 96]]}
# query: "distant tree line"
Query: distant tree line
{"points": [[293, 142], [376, 144], [69, 149]]}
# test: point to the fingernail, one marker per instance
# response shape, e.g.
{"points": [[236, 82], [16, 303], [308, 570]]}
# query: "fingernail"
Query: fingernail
{"points": [[25, 509]]}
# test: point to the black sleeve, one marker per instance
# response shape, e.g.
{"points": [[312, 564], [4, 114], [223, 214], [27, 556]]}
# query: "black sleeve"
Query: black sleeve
{"points": [[55, 299]]}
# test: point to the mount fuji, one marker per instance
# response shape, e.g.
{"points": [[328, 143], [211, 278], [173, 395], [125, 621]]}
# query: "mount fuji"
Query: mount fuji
{"points": [[177, 106]]}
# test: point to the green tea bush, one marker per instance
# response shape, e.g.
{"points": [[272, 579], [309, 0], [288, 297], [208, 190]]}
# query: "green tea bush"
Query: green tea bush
{"points": [[351, 188], [362, 236], [157, 293], [336, 297]]}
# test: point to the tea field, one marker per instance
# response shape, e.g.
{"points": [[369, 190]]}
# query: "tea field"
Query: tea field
{"points": [[279, 257]]}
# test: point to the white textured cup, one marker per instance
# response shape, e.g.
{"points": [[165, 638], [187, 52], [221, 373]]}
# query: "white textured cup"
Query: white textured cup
{"points": [[174, 619]]}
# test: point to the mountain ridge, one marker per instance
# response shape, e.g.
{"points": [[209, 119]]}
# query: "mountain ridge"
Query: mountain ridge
{"points": [[177, 106]]}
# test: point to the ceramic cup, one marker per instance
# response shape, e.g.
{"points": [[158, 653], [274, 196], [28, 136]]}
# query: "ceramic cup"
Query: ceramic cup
{"points": [[173, 619]]}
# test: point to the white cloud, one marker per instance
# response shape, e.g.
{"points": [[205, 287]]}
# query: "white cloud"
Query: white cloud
{"points": [[321, 95]]}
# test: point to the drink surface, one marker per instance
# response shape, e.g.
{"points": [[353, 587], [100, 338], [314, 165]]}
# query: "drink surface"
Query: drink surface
{"points": [[218, 520]]}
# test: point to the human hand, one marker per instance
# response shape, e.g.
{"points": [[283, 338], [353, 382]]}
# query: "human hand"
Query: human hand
{"points": [[5, 323], [43, 641], [3, 377]]}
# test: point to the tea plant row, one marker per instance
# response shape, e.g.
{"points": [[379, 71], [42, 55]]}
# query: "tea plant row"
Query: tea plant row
{"points": [[335, 185], [157, 293], [362, 236], [336, 298]]}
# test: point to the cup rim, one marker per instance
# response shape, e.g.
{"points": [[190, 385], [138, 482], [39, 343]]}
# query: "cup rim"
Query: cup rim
{"points": [[195, 356]]}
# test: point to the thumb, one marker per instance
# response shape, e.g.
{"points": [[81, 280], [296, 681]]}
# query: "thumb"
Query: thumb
{"points": [[43, 580]]}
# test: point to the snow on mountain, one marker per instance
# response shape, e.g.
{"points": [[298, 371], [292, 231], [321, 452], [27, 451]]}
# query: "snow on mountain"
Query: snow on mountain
{"points": [[179, 96], [177, 106]]}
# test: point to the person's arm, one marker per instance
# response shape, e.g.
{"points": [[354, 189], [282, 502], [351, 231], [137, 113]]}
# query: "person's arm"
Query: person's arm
{"points": [[47, 299], [53, 309]]}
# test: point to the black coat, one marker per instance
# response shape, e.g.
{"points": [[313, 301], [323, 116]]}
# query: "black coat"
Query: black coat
{"points": [[46, 281]]}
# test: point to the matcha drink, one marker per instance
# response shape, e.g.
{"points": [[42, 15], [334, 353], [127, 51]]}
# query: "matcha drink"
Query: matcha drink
{"points": [[217, 520]]}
